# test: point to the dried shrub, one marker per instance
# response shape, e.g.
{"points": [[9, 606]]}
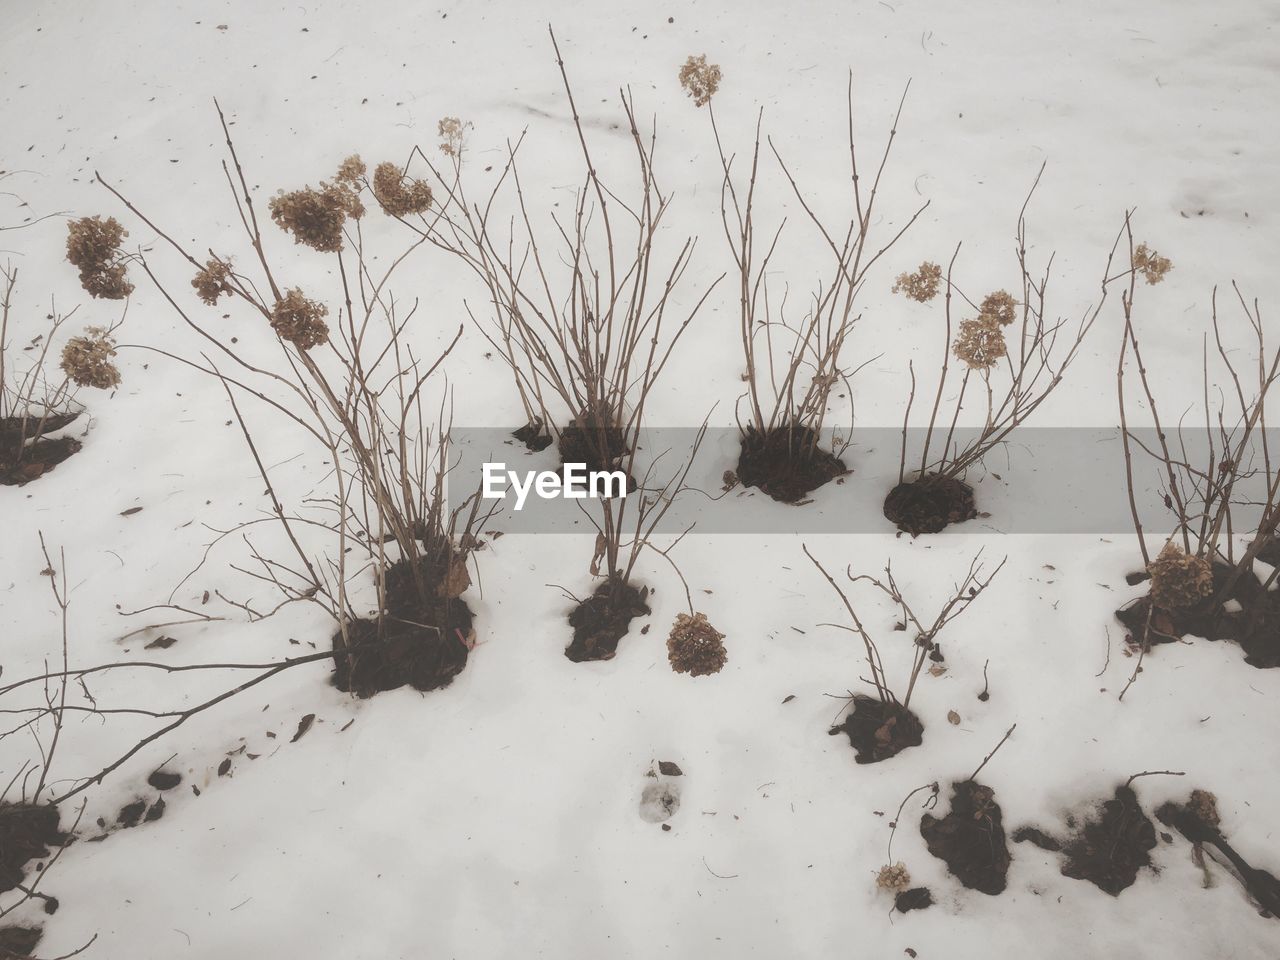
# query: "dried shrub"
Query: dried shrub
{"points": [[399, 194], [1150, 264], [299, 320], [695, 647], [211, 282], [451, 130], [980, 343], [93, 247], [1179, 580], [998, 307], [87, 359], [921, 286], [894, 877], [700, 79]]}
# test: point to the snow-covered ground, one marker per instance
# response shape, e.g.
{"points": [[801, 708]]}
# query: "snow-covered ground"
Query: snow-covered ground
{"points": [[499, 817]]}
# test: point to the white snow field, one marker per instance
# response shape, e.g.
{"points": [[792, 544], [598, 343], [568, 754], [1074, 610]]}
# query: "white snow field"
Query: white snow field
{"points": [[500, 817]]}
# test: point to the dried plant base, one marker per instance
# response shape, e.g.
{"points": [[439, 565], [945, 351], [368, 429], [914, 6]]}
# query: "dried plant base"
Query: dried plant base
{"points": [[786, 463], [970, 839], [27, 832], [603, 619], [1255, 627], [879, 729], [929, 504], [21, 464], [419, 643], [533, 436]]}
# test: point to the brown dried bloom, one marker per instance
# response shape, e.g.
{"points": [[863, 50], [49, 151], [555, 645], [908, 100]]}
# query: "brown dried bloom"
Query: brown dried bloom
{"points": [[700, 79], [1000, 307], [1205, 806], [894, 877], [400, 195], [921, 286], [93, 246], [350, 170], [1150, 264], [695, 647], [211, 282], [980, 343], [1179, 580], [451, 130], [299, 320], [314, 217], [87, 359]]}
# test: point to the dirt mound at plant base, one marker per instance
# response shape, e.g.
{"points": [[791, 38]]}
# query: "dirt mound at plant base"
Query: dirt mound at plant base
{"points": [[786, 463], [27, 832], [25, 454], [422, 639], [880, 729], [601, 620], [970, 839], [929, 504]]}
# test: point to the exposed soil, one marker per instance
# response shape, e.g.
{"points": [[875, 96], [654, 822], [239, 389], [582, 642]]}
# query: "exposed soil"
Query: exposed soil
{"points": [[597, 442], [601, 620], [1262, 885], [880, 729], [786, 463], [1255, 627], [1109, 849], [20, 462], [970, 839], [422, 639], [27, 832], [533, 436], [929, 504], [18, 941], [917, 898]]}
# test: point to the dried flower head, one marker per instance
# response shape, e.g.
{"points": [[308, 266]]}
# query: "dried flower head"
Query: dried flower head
{"points": [[1179, 580], [399, 194], [894, 877], [921, 286], [1150, 264], [1205, 806], [314, 217], [700, 79], [980, 343], [93, 246], [211, 282], [87, 359], [1000, 307], [695, 647], [451, 130], [350, 170], [299, 320]]}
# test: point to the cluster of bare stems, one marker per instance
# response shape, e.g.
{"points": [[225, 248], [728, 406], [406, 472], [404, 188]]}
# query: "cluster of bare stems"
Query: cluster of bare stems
{"points": [[357, 388], [926, 630], [793, 363], [583, 319], [1015, 371], [1206, 490]]}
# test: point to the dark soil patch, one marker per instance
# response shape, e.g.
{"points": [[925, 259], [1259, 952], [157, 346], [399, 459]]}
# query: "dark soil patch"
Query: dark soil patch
{"points": [[1110, 850], [970, 839], [917, 898], [1037, 838], [422, 639], [603, 619], [18, 941], [25, 454], [929, 504], [164, 779], [1261, 884], [599, 444], [880, 729], [1255, 627], [533, 436], [27, 832], [786, 463]]}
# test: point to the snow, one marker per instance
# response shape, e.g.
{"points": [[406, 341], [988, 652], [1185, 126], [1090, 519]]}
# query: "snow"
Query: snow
{"points": [[501, 817]]}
